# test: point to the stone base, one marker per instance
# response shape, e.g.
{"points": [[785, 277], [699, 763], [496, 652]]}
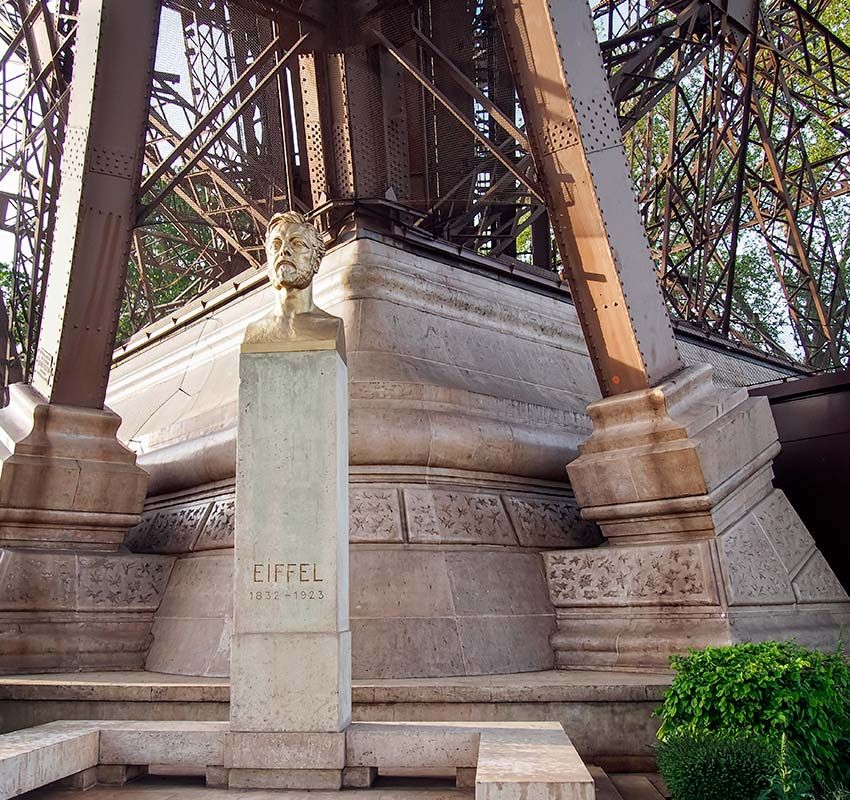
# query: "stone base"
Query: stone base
{"points": [[702, 549], [284, 779], [359, 777], [63, 611], [65, 479]]}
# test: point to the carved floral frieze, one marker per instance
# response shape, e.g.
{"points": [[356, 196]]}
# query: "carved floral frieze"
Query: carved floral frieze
{"points": [[217, 531], [374, 515], [389, 514], [550, 522], [46, 581], [454, 516], [620, 576]]}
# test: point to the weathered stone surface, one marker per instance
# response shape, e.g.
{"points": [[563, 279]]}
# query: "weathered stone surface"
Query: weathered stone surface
{"points": [[36, 756], [678, 477], [358, 777], [292, 681], [217, 531], [409, 745], [304, 779], [535, 764], [65, 480], [169, 530], [194, 616], [816, 583], [291, 647], [171, 743], [285, 750], [62, 581]]}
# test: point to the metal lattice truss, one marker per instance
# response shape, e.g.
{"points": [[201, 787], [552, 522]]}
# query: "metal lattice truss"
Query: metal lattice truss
{"points": [[734, 115], [737, 123], [36, 66]]}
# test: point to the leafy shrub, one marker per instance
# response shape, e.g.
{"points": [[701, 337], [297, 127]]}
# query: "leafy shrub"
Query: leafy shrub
{"points": [[767, 689], [716, 766]]}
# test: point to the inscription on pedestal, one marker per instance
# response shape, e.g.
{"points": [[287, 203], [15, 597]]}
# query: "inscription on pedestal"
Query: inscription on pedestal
{"points": [[298, 581]]}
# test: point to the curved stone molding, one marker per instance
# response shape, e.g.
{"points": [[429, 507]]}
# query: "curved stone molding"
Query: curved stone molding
{"points": [[455, 369]]}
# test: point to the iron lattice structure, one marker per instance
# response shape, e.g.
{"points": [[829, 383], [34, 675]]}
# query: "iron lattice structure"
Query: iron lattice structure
{"points": [[734, 116]]}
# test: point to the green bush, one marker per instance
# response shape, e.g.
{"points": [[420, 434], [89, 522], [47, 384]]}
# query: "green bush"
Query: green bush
{"points": [[768, 690], [716, 766]]}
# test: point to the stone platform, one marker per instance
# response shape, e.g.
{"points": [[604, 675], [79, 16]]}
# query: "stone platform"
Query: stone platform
{"points": [[607, 714]]}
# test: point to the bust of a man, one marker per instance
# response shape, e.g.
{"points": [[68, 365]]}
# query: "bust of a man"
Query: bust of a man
{"points": [[294, 251]]}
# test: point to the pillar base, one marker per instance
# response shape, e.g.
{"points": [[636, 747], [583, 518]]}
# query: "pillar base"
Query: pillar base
{"points": [[702, 549], [65, 479]]}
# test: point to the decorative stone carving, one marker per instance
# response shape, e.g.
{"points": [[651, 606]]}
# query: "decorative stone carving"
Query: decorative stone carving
{"points": [[785, 530], [550, 522], [608, 576], [753, 573], [218, 528], [45, 580], [169, 530], [374, 515], [816, 583], [454, 516]]}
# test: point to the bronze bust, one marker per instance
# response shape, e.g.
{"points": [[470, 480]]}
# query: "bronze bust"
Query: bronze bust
{"points": [[294, 251]]}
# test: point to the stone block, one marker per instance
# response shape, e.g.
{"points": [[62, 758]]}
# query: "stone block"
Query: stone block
{"points": [[298, 680], [465, 777], [80, 780], [180, 743], [65, 477], [530, 765], [477, 579], [36, 756], [523, 643], [194, 616], [293, 751], [411, 745], [304, 779], [358, 777], [409, 647], [666, 574], [390, 582], [119, 774], [752, 571], [169, 530], [216, 777]]}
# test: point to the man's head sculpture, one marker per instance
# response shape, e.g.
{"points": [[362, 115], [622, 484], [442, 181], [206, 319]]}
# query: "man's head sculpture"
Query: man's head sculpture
{"points": [[294, 250]]}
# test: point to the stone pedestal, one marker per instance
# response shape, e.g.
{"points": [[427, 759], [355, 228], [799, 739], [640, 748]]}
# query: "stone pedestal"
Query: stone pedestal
{"points": [[69, 600], [291, 646], [701, 548], [65, 479]]}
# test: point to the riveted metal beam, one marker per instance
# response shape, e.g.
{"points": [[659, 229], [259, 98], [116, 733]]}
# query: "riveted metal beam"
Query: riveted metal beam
{"points": [[575, 139], [101, 164]]}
